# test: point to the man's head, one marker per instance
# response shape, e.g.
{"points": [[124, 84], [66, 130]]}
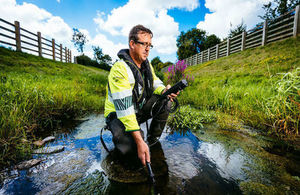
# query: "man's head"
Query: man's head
{"points": [[140, 43]]}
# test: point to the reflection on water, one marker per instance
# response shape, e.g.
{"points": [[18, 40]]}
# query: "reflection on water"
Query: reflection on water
{"points": [[182, 163]]}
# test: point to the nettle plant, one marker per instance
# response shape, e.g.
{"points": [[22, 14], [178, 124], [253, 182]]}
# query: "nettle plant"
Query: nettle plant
{"points": [[178, 72]]}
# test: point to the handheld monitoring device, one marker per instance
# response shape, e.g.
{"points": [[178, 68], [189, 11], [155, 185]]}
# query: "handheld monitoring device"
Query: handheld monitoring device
{"points": [[175, 88]]}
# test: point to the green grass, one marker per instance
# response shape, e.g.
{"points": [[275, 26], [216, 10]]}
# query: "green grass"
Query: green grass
{"points": [[247, 84], [37, 93]]}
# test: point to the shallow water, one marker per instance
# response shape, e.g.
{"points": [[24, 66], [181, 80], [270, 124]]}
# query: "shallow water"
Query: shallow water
{"points": [[182, 163]]}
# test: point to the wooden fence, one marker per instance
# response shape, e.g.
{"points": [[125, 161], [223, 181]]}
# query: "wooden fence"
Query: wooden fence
{"points": [[285, 26], [21, 39]]}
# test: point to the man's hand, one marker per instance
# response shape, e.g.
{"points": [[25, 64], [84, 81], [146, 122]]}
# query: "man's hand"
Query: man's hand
{"points": [[172, 95], [142, 147]]}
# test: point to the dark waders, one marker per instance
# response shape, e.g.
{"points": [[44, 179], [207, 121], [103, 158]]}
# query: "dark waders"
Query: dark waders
{"points": [[124, 142]]}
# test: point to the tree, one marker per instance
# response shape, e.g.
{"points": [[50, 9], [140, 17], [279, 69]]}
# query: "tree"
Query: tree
{"points": [[79, 39], [237, 30], [190, 43], [211, 41], [103, 59], [277, 8], [155, 62]]}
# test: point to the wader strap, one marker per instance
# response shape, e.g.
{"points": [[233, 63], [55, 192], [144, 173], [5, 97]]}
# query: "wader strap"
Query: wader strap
{"points": [[102, 141]]}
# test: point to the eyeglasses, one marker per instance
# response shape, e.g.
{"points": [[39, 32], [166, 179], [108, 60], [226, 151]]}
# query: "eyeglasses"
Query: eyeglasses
{"points": [[146, 45]]}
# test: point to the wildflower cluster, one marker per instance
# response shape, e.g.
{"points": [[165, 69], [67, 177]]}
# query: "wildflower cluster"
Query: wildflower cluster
{"points": [[177, 72]]}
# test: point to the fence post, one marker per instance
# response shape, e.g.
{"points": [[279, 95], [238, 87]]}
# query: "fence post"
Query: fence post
{"points": [[60, 48], [243, 40], [217, 51], [296, 29], [208, 54], [70, 56], [53, 49], [228, 47], [66, 50], [40, 43], [18, 36], [264, 37], [201, 57]]}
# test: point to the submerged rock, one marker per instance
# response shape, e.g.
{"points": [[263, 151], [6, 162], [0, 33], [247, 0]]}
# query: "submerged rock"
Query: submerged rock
{"points": [[39, 143], [48, 139], [49, 150], [130, 170], [28, 164], [42, 142]]}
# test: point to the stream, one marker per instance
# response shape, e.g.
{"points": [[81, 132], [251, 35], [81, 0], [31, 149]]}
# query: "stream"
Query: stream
{"points": [[182, 164]]}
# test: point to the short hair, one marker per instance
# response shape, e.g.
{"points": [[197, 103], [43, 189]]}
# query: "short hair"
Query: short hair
{"points": [[133, 34]]}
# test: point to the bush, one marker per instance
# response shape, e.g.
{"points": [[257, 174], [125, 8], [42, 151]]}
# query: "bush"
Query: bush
{"points": [[177, 72], [87, 61]]}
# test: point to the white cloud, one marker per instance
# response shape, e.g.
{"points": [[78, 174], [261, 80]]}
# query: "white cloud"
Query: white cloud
{"points": [[108, 47], [58, 1], [151, 14], [228, 12], [33, 19]]}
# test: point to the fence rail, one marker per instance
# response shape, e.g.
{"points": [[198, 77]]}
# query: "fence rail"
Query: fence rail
{"points": [[284, 26], [23, 40]]}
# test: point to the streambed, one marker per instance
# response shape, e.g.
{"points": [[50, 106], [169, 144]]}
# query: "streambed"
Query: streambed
{"points": [[182, 162]]}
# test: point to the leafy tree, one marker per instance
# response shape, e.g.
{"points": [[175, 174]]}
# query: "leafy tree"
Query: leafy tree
{"points": [[277, 8], [190, 43], [155, 62], [79, 39], [104, 60], [237, 30], [211, 41]]}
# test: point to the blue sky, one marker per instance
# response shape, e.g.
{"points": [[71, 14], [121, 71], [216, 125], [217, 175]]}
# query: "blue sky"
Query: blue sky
{"points": [[107, 22]]}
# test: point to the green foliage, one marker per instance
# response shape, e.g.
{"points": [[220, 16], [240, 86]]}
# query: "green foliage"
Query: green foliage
{"points": [[190, 43], [160, 75], [79, 39], [243, 84], [193, 42], [237, 30], [36, 93], [190, 118], [277, 8], [155, 62], [103, 60], [211, 41], [283, 108], [87, 61]]}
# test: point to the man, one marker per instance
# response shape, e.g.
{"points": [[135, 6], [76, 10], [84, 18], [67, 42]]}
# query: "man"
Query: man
{"points": [[133, 97]]}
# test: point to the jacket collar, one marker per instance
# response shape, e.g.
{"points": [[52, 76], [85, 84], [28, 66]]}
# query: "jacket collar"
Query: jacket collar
{"points": [[124, 55]]}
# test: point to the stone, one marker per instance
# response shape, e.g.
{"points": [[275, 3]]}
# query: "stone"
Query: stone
{"points": [[28, 164], [39, 143], [48, 139], [49, 150]]}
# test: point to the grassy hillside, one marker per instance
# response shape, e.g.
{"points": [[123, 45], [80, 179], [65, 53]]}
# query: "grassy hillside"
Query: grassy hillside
{"points": [[259, 86], [36, 93]]}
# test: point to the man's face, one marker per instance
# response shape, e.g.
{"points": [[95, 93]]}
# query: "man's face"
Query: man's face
{"points": [[141, 48]]}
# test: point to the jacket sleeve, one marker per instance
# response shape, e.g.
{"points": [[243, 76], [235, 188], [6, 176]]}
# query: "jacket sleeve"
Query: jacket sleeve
{"points": [[158, 85], [121, 96]]}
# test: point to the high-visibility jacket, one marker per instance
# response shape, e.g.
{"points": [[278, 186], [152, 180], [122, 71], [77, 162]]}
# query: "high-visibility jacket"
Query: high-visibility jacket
{"points": [[128, 89]]}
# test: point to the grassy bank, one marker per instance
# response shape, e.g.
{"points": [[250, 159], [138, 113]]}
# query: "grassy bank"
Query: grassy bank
{"points": [[260, 86], [36, 93]]}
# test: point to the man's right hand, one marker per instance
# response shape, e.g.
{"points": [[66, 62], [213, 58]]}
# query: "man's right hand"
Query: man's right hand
{"points": [[142, 147]]}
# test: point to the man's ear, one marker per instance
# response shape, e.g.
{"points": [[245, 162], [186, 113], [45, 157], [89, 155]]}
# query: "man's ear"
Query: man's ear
{"points": [[131, 44]]}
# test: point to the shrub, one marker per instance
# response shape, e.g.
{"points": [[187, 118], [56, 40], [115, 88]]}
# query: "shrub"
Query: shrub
{"points": [[177, 72]]}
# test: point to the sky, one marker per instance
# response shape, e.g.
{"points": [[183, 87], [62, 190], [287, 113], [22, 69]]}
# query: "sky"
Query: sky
{"points": [[107, 23]]}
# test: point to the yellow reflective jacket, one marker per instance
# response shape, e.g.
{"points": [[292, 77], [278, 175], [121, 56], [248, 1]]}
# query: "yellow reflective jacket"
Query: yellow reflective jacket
{"points": [[119, 93]]}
